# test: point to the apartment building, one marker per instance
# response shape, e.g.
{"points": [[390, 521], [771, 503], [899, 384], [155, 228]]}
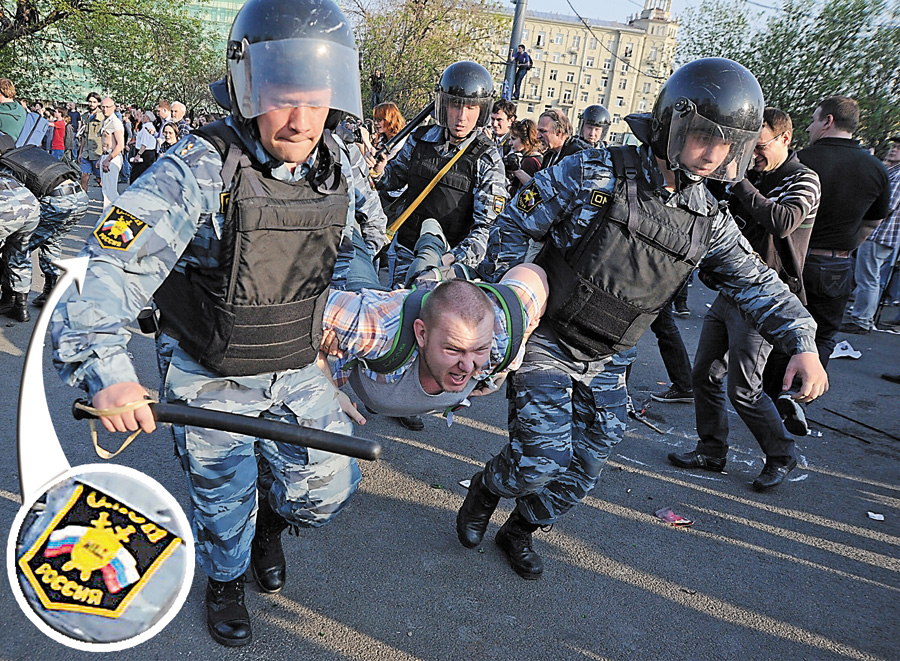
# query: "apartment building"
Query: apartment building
{"points": [[619, 65]]}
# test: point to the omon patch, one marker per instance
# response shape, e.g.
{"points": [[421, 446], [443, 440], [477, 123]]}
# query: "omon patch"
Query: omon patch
{"points": [[95, 555], [119, 229]]}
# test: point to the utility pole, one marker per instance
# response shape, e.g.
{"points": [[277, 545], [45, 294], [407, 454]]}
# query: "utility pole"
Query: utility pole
{"points": [[514, 41]]}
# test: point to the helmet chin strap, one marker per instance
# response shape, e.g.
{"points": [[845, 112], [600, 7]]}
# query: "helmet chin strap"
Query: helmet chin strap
{"points": [[684, 179]]}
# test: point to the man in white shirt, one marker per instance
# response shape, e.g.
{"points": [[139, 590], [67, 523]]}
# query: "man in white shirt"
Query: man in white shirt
{"points": [[112, 139]]}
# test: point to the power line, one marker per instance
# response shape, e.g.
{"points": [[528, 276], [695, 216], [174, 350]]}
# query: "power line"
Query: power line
{"points": [[606, 48]]}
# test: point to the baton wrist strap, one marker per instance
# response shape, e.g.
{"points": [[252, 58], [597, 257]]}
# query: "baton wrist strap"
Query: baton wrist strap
{"points": [[117, 410], [392, 230]]}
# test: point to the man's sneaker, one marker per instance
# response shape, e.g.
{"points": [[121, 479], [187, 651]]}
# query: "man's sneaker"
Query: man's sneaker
{"points": [[696, 459], [792, 414], [850, 327], [673, 394], [682, 310]]}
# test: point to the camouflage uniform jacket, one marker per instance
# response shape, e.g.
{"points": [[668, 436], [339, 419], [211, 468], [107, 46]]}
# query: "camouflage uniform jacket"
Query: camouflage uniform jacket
{"points": [[490, 194], [177, 202], [556, 206]]}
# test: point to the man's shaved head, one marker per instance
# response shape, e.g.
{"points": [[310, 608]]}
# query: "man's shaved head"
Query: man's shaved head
{"points": [[460, 298]]}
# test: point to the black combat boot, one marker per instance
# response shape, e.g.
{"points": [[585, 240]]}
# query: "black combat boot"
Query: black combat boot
{"points": [[226, 615], [514, 539], [49, 284], [475, 513], [19, 309], [266, 553]]}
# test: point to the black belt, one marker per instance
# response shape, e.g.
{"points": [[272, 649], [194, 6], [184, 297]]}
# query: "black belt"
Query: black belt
{"points": [[65, 189]]}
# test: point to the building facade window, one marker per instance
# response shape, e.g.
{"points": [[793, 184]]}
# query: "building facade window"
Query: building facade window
{"points": [[642, 105], [553, 74], [570, 77], [589, 62], [587, 79], [623, 84], [535, 72], [576, 41], [551, 92], [604, 82], [573, 58], [607, 64], [534, 91], [556, 57], [584, 97], [620, 101], [558, 39], [592, 44], [646, 88], [541, 39], [567, 96]]}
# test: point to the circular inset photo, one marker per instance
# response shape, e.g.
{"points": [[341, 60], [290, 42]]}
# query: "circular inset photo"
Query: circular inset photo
{"points": [[102, 559]]}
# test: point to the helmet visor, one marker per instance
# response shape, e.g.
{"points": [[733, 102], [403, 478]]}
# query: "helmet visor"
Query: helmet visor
{"points": [[443, 101], [706, 149], [287, 73]]}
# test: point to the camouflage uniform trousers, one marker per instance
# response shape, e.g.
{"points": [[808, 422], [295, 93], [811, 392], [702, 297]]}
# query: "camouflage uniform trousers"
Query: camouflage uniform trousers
{"points": [[310, 486], [19, 216], [59, 214], [565, 416]]}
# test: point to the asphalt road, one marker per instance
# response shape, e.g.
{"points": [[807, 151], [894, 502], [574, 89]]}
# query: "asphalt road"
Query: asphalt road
{"points": [[800, 572]]}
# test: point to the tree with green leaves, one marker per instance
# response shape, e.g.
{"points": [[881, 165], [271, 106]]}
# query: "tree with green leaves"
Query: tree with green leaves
{"points": [[137, 51], [804, 51], [413, 41]]}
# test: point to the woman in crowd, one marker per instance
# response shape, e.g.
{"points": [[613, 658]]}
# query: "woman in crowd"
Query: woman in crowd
{"points": [[145, 146], [523, 160], [388, 122], [170, 137]]}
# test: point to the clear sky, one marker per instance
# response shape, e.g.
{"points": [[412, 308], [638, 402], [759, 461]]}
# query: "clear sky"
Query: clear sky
{"points": [[606, 10]]}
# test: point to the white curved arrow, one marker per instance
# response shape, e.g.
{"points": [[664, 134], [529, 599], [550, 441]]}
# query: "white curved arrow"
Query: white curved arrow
{"points": [[41, 458]]}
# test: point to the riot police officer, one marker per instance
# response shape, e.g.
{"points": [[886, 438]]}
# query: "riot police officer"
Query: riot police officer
{"points": [[468, 196], [594, 126], [624, 228], [234, 232]]}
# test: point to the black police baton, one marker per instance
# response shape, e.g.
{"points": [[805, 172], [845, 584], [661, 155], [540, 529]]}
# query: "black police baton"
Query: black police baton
{"points": [[405, 131], [318, 439]]}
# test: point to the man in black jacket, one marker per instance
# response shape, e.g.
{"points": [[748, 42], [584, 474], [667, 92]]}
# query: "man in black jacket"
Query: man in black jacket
{"points": [[555, 133], [775, 207]]}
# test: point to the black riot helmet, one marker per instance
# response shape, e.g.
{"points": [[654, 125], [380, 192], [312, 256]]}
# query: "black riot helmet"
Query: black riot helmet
{"points": [[287, 53], [464, 83], [595, 115], [715, 102]]}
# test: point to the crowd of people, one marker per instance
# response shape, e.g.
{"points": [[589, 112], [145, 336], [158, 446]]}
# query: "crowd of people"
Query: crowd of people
{"points": [[523, 252]]}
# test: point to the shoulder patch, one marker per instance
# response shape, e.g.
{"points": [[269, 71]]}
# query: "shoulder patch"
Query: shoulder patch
{"points": [[599, 198], [499, 203], [118, 229], [96, 555], [528, 198]]}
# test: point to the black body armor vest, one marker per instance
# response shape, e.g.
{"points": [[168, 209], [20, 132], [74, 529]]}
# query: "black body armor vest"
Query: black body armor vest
{"points": [[34, 168], [261, 309], [451, 202], [606, 290]]}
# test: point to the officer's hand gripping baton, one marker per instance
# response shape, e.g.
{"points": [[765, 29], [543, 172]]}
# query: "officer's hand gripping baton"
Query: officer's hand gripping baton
{"points": [[318, 439]]}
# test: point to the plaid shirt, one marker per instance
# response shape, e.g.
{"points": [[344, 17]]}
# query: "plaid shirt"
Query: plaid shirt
{"points": [[888, 232], [366, 323]]}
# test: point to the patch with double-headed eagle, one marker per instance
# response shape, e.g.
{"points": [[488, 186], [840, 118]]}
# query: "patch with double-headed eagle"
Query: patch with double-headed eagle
{"points": [[118, 229], [499, 203], [528, 198], [95, 555]]}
